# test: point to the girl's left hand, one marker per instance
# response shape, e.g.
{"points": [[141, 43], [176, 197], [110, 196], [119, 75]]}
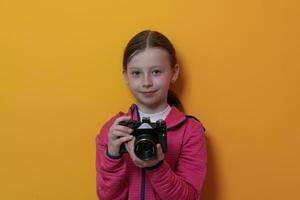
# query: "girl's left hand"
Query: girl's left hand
{"points": [[143, 163]]}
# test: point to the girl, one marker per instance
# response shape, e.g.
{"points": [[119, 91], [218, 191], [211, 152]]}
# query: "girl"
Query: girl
{"points": [[149, 67]]}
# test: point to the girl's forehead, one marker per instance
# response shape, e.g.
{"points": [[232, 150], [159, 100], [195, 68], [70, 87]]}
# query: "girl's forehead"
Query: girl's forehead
{"points": [[150, 57]]}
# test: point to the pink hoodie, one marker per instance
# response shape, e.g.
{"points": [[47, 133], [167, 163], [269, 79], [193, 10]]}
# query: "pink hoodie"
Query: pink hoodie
{"points": [[180, 176]]}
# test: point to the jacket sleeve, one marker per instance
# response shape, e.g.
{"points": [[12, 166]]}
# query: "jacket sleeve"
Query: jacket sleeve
{"points": [[188, 178], [111, 182]]}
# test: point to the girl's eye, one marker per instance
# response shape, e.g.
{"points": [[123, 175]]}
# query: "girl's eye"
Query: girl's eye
{"points": [[156, 72], [135, 73]]}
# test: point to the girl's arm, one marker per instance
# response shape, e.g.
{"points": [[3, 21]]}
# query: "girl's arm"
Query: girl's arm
{"points": [[111, 179], [188, 178]]}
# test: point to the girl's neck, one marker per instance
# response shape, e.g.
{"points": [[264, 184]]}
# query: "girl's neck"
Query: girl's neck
{"points": [[162, 115], [152, 109]]}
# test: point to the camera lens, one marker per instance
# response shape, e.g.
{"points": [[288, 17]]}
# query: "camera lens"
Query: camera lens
{"points": [[145, 147]]}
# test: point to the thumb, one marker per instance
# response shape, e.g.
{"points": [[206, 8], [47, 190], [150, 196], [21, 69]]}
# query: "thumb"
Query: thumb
{"points": [[160, 154]]}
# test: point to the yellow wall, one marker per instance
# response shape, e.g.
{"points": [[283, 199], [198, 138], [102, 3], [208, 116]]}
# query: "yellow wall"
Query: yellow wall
{"points": [[60, 64]]}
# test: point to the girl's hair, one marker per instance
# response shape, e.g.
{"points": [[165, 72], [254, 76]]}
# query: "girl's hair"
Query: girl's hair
{"points": [[146, 39]]}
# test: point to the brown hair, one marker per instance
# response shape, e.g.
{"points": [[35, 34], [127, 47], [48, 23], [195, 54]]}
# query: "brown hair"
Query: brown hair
{"points": [[146, 39]]}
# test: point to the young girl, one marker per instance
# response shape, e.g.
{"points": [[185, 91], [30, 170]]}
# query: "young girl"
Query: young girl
{"points": [[149, 67]]}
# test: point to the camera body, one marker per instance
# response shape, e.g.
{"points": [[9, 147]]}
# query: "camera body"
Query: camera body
{"points": [[147, 135]]}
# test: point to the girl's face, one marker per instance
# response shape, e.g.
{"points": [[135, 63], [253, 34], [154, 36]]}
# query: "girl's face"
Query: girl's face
{"points": [[149, 75]]}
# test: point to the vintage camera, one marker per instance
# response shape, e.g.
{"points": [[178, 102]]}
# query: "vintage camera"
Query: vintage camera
{"points": [[147, 135]]}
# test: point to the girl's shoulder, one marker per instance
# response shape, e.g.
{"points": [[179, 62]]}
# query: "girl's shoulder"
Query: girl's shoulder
{"points": [[177, 118], [194, 122]]}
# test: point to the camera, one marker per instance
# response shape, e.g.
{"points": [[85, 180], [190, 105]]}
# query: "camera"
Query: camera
{"points": [[147, 134]]}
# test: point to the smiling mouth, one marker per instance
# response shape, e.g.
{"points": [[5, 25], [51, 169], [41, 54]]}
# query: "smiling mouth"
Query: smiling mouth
{"points": [[148, 93]]}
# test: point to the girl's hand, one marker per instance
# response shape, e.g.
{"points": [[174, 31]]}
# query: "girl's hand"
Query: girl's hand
{"points": [[117, 135], [143, 163]]}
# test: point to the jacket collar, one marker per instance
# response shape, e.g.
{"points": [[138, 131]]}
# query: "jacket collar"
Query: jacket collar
{"points": [[174, 119]]}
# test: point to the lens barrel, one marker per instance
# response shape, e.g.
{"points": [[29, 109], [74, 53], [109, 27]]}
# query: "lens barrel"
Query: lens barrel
{"points": [[145, 147]]}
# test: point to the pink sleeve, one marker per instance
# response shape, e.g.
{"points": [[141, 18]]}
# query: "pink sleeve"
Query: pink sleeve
{"points": [[188, 178], [111, 179]]}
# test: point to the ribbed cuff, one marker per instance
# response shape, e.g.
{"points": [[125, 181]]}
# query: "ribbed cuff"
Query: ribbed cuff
{"points": [[155, 166], [113, 157]]}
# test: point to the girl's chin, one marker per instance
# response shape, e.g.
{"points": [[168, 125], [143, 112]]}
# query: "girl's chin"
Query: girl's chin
{"points": [[150, 104]]}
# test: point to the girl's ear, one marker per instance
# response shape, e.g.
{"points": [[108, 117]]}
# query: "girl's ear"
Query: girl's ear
{"points": [[125, 76], [175, 73]]}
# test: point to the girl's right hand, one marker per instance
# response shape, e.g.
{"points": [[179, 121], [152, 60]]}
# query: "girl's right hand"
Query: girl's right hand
{"points": [[117, 135]]}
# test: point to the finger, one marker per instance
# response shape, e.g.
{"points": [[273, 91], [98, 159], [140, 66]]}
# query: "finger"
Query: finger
{"points": [[160, 154], [123, 139], [132, 142], [158, 147], [118, 134], [130, 149], [139, 165], [130, 145], [127, 147], [121, 128]]}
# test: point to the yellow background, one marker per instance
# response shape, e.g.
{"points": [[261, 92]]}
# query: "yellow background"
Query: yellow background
{"points": [[60, 79]]}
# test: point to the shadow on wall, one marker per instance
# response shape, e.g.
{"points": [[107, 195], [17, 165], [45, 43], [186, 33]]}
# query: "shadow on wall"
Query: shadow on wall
{"points": [[210, 190]]}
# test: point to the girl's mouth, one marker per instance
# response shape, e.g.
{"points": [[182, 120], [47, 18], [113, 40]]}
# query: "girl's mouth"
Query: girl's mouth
{"points": [[148, 93]]}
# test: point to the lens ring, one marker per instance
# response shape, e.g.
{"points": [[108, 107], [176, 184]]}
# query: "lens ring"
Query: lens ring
{"points": [[145, 149]]}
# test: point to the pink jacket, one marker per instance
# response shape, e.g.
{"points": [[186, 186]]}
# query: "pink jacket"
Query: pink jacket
{"points": [[180, 176]]}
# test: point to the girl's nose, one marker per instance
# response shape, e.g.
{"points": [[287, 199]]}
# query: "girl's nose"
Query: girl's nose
{"points": [[147, 81]]}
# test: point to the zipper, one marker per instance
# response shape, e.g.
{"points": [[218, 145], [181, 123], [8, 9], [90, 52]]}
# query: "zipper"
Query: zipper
{"points": [[143, 184]]}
